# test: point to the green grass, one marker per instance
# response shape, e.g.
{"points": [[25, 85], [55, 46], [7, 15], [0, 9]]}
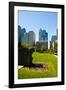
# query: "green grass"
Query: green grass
{"points": [[40, 58]]}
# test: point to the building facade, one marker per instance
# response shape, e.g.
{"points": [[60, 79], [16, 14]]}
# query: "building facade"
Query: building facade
{"points": [[43, 38], [21, 33], [31, 38], [26, 38], [53, 43]]}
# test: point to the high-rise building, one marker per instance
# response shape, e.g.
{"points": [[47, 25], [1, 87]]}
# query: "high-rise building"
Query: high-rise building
{"points": [[54, 38], [28, 38], [31, 38], [21, 34], [43, 38], [53, 42], [23, 38]]}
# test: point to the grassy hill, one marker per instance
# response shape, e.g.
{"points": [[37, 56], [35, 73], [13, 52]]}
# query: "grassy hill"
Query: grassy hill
{"points": [[40, 58]]}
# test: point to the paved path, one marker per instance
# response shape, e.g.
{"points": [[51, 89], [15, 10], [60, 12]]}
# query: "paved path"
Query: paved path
{"points": [[20, 67], [55, 55]]}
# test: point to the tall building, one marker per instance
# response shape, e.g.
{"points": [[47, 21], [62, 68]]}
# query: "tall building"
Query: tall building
{"points": [[21, 34], [31, 38], [43, 38], [27, 38], [23, 38], [53, 42], [54, 38]]}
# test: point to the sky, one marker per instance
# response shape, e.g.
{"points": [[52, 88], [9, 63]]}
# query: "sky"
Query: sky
{"points": [[34, 20]]}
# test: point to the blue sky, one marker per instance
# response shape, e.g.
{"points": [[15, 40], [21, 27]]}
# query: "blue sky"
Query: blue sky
{"points": [[34, 20]]}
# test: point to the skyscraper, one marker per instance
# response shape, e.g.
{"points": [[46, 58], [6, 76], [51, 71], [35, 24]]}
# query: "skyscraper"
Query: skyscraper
{"points": [[23, 38], [43, 38], [54, 42], [27, 38], [21, 33], [54, 38], [31, 38]]}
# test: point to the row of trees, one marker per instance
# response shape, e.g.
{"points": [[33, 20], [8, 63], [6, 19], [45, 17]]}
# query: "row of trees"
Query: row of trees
{"points": [[41, 48]]}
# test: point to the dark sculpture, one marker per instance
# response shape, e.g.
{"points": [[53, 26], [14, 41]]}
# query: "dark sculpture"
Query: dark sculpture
{"points": [[25, 56]]}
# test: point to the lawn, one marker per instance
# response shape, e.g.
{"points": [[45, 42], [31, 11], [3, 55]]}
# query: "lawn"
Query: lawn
{"points": [[40, 58]]}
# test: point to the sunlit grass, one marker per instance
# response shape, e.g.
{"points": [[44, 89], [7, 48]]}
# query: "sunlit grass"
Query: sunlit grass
{"points": [[40, 58]]}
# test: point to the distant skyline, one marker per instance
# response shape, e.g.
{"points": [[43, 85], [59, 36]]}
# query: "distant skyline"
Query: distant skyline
{"points": [[34, 20]]}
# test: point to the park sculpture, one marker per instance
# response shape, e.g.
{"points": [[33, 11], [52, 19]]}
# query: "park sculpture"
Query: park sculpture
{"points": [[25, 56]]}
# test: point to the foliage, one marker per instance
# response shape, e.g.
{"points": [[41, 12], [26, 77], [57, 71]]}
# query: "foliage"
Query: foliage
{"points": [[53, 49], [25, 46]]}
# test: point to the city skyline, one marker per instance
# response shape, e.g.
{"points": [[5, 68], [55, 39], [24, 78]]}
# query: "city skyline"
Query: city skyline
{"points": [[26, 38], [33, 21]]}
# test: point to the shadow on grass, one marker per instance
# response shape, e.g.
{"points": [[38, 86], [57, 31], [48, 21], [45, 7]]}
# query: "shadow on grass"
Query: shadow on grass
{"points": [[36, 66]]}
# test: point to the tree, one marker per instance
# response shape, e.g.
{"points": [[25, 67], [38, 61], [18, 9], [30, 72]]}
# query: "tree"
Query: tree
{"points": [[55, 48]]}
